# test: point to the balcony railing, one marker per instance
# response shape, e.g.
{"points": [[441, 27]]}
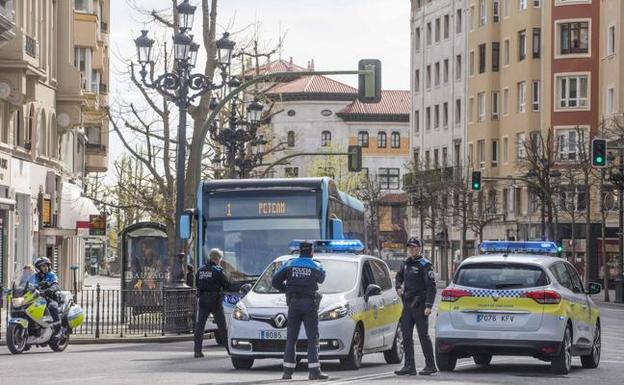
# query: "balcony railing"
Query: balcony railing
{"points": [[31, 47], [96, 147]]}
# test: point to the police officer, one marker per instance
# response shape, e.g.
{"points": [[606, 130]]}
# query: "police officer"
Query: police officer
{"points": [[210, 282], [47, 282], [299, 278], [418, 291]]}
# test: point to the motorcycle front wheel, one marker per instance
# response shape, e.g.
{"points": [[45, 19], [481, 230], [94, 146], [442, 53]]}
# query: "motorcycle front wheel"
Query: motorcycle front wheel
{"points": [[16, 338]]}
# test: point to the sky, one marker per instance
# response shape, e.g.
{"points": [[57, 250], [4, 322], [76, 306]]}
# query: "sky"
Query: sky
{"points": [[335, 33]]}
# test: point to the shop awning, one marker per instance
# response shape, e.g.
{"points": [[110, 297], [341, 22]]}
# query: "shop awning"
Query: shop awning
{"points": [[75, 207]]}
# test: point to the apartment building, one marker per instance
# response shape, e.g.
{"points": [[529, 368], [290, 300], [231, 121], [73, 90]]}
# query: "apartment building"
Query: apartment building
{"points": [[53, 131]]}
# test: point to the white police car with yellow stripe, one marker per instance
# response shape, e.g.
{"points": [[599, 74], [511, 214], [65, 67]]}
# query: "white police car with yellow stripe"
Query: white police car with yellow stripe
{"points": [[359, 312], [518, 298]]}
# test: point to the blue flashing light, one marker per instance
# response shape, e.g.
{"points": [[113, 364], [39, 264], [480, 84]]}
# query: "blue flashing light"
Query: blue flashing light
{"points": [[331, 245], [508, 247]]}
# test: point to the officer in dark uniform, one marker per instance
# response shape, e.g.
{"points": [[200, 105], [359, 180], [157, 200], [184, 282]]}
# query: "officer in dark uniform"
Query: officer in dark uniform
{"points": [[418, 291], [299, 278], [210, 282]]}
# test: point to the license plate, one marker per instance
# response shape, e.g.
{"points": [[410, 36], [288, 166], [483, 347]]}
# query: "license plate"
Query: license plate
{"points": [[272, 335], [496, 319]]}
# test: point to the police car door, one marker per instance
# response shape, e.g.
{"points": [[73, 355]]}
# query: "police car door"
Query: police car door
{"points": [[373, 338], [584, 313], [389, 308], [572, 301]]}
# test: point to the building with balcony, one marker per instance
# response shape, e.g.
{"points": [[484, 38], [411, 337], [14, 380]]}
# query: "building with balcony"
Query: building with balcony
{"points": [[7, 22], [45, 111]]}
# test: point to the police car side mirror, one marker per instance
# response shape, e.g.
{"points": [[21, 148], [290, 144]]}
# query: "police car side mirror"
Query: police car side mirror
{"points": [[593, 288], [244, 289], [371, 290]]}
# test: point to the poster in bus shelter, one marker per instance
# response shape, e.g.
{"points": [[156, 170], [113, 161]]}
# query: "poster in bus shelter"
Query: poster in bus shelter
{"points": [[149, 263]]}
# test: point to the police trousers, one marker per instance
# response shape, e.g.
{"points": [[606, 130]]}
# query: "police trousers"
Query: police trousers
{"points": [[209, 303], [416, 316], [302, 310], [53, 308]]}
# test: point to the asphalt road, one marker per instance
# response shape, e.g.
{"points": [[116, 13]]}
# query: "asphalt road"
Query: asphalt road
{"points": [[173, 363]]}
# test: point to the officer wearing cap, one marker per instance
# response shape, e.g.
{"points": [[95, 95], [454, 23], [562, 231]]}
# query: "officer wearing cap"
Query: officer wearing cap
{"points": [[299, 278], [415, 283], [210, 281]]}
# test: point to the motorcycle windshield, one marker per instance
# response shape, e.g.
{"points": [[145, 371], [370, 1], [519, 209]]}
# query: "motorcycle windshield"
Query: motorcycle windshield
{"points": [[21, 284]]}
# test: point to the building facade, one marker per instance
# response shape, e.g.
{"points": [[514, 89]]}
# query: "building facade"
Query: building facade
{"points": [[53, 130]]}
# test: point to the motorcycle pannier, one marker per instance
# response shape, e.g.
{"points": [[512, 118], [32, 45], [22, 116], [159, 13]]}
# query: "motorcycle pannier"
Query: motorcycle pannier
{"points": [[75, 316]]}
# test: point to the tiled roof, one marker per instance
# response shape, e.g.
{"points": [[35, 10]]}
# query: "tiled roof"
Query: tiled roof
{"points": [[315, 84], [392, 103], [275, 66]]}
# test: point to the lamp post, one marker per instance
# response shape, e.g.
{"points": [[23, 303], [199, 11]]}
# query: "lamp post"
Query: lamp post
{"points": [[182, 87]]}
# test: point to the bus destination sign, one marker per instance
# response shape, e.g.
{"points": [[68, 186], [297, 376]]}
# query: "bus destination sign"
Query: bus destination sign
{"points": [[262, 206]]}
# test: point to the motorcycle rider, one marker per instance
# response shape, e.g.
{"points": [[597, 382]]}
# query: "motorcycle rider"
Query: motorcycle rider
{"points": [[47, 281]]}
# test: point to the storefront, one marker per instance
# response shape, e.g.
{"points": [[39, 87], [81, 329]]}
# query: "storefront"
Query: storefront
{"points": [[7, 205]]}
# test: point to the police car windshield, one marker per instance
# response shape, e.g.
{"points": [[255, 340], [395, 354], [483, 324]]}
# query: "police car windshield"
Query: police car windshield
{"points": [[339, 277], [500, 276]]}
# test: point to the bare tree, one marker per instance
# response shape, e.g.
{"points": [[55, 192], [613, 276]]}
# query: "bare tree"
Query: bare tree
{"points": [[370, 192]]}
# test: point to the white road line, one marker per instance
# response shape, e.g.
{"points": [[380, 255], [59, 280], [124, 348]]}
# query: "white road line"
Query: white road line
{"points": [[66, 380]]}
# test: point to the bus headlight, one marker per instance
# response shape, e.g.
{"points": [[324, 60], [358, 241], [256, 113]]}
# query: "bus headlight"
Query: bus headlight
{"points": [[335, 313], [240, 312]]}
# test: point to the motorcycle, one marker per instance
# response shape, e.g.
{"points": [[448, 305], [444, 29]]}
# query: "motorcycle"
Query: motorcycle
{"points": [[31, 325]]}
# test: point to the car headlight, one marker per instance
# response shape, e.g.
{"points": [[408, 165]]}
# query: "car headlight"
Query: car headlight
{"points": [[17, 302], [240, 312], [334, 313]]}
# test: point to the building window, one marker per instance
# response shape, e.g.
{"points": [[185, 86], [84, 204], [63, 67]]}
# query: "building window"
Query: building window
{"points": [[381, 139], [495, 56], [428, 77], [568, 143], [522, 4], [290, 138], [428, 118], [505, 150], [445, 114], [429, 32], [427, 159], [536, 96], [521, 146], [495, 11], [481, 105], [506, 8], [436, 159], [93, 135], [291, 172], [537, 42], [611, 40], [470, 109], [417, 39], [83, 5], [610, 101], [458, 67], [446, 71], [472, 18], [522, 49], [447, 26], [388, 178], [416, 121], [325, 139], [436, 116], [537, 3], [82, 61], [363, 138], [506, 101], [495, 104], [417, 81], [482, 13], [437, 74], [481, 149], [482, 58], [472, 63], [522, 97], [395, 140], [437, 30], [494, 152], [444, 157], [572, 91], [458, 21], [574, 38], [506, 52], [457, 111]]}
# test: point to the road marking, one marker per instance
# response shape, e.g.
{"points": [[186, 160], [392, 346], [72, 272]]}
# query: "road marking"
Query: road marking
{"points": [[66, 380]]}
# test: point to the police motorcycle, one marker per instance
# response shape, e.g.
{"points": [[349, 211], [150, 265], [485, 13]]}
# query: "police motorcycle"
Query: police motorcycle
{"points": [[31, 325]]}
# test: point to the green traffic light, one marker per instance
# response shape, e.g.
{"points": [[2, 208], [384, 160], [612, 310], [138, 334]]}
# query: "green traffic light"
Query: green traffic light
{"points": [[475, 186], [599, 160]]}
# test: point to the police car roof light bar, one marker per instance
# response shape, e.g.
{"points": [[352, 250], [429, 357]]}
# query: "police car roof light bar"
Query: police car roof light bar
{"points": [[331, 245], [511, 247]]}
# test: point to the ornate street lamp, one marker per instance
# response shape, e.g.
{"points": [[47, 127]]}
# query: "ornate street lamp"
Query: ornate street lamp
{"points": [[181, 46], [144, 47], [254, 110], [225, 46], [186, 14], [193, 53]]}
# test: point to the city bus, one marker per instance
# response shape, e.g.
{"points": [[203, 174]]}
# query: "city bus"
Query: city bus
{"points": [[253, 221]]}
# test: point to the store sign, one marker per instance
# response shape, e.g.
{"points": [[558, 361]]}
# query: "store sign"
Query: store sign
{"points": [[97, 224], [46, 212]]}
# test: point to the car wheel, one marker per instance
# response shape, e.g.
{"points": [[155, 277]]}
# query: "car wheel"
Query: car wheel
{"points": [[354, 360], [562, 362], [446, 361], [395, 355], [482, 359], [592, 360], [242, 362]]}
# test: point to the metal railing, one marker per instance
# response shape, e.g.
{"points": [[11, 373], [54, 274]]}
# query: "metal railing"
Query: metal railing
{"points": [[31, 47], [115, 312]]}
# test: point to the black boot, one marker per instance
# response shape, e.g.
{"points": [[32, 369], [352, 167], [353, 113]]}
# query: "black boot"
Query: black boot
{"points": [[316, 374], [406, 370], [199, 355], [428, 371], [287, 374]]}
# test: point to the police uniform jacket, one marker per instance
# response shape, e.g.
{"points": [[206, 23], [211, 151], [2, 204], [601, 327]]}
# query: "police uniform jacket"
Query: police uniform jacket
{"points": [[299, 276], [418, 278], [211, 278]]}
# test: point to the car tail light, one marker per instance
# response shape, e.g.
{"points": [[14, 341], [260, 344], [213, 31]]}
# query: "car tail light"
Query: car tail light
{"points": [[543, 296], [452, 295]]}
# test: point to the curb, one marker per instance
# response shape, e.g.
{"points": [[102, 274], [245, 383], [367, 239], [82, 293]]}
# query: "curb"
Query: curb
{"points": [[130, 340]]}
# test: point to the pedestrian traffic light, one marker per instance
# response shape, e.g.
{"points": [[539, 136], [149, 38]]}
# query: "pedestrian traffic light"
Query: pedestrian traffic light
{"points": [[476, 181], [599, 152], [369, 86], [355, 159]]}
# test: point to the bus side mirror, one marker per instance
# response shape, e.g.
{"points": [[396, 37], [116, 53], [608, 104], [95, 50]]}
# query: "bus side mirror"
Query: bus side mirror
{"points": [[185, 225], [337, 231]]}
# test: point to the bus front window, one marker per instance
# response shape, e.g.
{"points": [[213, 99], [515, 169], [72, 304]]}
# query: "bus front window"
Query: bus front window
{"points": [[249, 245]]}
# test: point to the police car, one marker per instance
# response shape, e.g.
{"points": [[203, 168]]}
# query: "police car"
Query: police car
{"points": [[518, 298], [359, 312]]}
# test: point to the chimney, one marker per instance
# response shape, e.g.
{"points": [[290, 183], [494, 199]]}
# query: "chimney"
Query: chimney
{"points": [[309, 68], [291, 61], [312, 65]]}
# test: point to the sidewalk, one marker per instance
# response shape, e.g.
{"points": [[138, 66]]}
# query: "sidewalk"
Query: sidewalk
{"points": [[599, 299]]}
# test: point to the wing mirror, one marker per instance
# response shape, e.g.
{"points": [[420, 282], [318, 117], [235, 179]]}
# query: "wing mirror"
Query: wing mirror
{"points": [[371, 290], [245, 289], [593, 288]]}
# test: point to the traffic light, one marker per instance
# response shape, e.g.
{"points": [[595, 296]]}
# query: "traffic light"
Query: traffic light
{"points": [[599, 152], [476, 181], [355, 159], [369, 85], [560, 246]]}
